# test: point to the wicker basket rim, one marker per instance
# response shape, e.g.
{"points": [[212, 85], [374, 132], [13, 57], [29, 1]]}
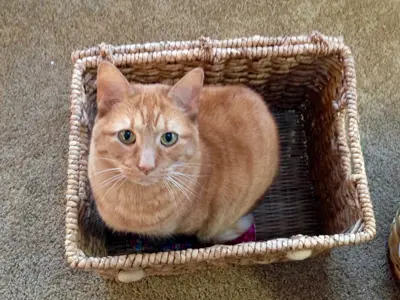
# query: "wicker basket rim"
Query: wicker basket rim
{"points": [[205, 43], [315, 43]]}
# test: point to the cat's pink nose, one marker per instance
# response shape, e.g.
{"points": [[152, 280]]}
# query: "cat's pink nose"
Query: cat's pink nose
{"points": [[146, 169]]}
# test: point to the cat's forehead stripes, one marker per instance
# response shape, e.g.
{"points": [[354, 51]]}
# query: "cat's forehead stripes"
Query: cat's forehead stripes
{"points": [[144, 114], [139, 121], [160, 123], [149, 114]]}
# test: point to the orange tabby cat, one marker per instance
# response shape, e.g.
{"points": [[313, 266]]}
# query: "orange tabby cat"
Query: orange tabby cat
{"points": [[185, 159]]}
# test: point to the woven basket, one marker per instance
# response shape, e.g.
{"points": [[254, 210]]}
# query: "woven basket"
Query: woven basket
{"points": [[320, 199], [394, 246]]}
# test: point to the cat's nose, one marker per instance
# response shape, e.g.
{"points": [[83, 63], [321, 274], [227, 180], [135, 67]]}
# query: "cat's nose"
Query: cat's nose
{"points": [[145, 168]]}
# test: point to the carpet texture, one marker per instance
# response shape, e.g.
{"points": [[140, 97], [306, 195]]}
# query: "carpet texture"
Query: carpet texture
{"points": [[36, 39]]}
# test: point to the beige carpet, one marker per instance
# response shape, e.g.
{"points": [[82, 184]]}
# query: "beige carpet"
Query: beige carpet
{"points": [[34, 100]]}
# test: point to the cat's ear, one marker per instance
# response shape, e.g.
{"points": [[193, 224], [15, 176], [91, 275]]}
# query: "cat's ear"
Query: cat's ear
{"points": [[112, 86], [186, 92]]}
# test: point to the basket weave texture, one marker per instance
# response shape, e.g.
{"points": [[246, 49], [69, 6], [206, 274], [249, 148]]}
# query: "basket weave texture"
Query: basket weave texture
{"points": [[394, 246], [309, 83]]}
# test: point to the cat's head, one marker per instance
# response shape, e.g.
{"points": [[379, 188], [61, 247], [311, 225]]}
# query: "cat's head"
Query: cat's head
{"points": [[147, 131]]}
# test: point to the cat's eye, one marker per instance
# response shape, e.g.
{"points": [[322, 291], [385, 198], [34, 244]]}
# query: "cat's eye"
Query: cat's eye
{"points": [[127, 137], [169, 138]]}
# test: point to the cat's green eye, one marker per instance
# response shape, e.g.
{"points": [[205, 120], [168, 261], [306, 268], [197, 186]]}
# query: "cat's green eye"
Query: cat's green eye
{"points": [[127, 137], [169, 138]]}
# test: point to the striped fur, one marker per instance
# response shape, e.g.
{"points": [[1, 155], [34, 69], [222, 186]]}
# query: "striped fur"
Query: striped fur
{"points": [[225, 158]]}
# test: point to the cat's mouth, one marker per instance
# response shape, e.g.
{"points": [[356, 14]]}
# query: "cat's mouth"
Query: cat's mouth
{"points": [[144, 180], [141, 178]]}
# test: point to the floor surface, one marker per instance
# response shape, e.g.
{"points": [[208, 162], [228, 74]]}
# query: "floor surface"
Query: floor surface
{"points": [[36, 40]]}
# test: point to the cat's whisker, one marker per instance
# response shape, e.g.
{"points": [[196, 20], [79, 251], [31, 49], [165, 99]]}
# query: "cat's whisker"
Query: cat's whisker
{"points": [[190, 175], [123, 179], [186, 185], [106, 182], [105, 170], [169, 188], [174, 196], [191, 179], [111, 178], [123, 182], [179, 187], [185, 169], [195, 166], [183, 185], [190, 164]]}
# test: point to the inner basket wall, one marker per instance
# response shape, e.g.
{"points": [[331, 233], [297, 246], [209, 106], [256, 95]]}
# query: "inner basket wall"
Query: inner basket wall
{"points": [[291, 86], [329, 158], [289, 207]]}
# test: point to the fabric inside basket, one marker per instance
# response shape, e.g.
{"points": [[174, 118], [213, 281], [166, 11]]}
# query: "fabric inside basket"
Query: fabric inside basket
{"points": [[118, 244], [126, 243]]}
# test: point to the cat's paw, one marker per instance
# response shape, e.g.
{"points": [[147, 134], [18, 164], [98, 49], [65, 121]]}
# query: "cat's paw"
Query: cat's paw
{"points": [[236, 231]]}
